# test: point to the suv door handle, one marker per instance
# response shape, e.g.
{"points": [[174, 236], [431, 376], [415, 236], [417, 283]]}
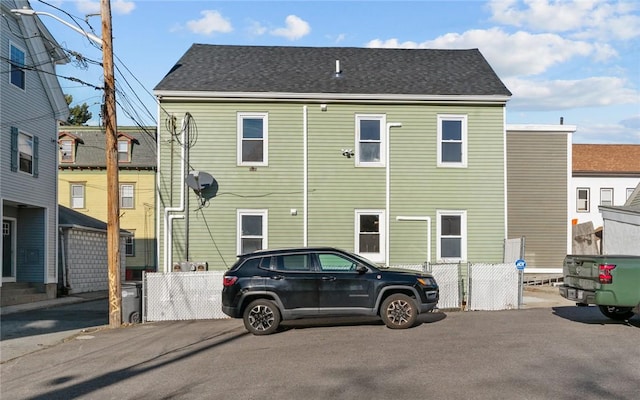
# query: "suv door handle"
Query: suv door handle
{"points": [[329, 278], [277, 277]]}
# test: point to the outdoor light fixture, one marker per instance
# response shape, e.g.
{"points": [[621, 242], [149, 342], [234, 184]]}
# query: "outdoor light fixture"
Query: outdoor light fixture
{"points": [[31, 12]]}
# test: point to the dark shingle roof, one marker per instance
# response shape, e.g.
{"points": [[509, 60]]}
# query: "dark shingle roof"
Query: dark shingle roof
{"points": [[279, 69], [71, 218], [90, 149]]}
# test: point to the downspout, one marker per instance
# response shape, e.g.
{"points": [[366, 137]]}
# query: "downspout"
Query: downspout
{"points": [[388, 190], [305, 178], [168, 222]]}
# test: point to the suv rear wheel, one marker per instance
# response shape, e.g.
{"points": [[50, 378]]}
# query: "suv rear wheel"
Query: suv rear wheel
{"points": [[399, 311], [261, 317]]}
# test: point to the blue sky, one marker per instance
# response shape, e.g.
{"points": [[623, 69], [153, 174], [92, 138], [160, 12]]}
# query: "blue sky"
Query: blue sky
{"points": [[579, 60]]}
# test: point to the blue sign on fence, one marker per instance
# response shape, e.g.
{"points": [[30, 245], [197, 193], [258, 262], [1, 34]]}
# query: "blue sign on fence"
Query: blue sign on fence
{"points": [[521, 264]]}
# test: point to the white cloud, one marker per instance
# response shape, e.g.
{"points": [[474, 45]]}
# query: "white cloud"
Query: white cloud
{"points": [[584, 18], [606, 134], [255, 28], [296, 28], [567, 94], [517, 54], [121, 7], [211, 22]]}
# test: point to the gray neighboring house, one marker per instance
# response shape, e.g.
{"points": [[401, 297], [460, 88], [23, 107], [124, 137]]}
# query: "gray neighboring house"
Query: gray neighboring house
{"points": [[82, 258], [621, 229], [31, 105]]}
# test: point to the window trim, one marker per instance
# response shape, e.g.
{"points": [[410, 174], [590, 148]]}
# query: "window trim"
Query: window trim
{"points": [[383, 140], [588, 200], [463, 118], [629, 193], [265, 138], [20, 68], [379, 257], [130, 241], [264, 213], [32, 139], [606, 190], [133, 195], [463, 235], [128, 152], [71, 155], [71, 197]]}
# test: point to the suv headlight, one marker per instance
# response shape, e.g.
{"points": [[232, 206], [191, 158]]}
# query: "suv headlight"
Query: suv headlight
{"points": [[426, 281]]}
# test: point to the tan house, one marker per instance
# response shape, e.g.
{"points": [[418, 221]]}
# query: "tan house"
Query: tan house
{"points": [[82, 185]]}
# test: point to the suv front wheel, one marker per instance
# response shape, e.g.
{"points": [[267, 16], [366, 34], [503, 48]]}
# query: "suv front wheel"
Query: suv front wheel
{"points": [[261, 317], [399, 311]]}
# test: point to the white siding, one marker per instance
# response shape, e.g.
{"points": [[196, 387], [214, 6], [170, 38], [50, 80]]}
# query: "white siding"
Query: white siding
{"points": [[594, 184]]}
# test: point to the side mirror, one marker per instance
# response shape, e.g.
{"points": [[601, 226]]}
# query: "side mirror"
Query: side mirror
{"points": [[361, 269]]}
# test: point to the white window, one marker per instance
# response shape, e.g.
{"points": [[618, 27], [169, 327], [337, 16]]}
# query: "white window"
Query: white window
{"points": [[629, 193], [123, 151], [129, 245], [370, 234], [253, 139], [66, 151], [452, 236], [370, 140], [452, 141], [126, 196], [252, 230], [77, 195], [17, 75], [583, 200], [606, 196], [25, 152]]}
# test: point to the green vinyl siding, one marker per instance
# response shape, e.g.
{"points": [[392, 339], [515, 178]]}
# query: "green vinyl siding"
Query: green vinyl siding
{"points": [[336, 187]]}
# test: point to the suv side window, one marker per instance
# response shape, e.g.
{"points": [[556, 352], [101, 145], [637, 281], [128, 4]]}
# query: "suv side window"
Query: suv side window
{"points": [[292, 262], [334, 262]]}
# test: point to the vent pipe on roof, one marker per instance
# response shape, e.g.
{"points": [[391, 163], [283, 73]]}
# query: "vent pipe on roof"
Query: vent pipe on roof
{"points": [[338, 70], [561, 120]]}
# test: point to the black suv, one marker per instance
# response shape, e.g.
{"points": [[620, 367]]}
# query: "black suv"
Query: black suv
{"points": [[268, 286]]}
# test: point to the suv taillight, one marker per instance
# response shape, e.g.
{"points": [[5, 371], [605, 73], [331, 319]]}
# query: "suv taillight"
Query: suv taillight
{"points": [[229, 280], [605, 273]]}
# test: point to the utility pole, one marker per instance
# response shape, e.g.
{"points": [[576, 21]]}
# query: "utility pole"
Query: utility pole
{"points": [[113, 189]]}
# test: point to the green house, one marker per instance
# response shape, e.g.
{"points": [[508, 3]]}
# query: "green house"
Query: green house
{"points": [[395, 154]]}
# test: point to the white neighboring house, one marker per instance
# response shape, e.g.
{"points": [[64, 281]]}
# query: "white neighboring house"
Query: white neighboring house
{"points": [[31, 105], [603, 175], [621, 234]]}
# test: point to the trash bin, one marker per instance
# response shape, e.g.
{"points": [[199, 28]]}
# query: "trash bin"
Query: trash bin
{"points": [[131, 302]]}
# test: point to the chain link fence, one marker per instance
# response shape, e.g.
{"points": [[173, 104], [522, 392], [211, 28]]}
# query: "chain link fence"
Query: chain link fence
{"points": [[197, 295], [182, 296]]}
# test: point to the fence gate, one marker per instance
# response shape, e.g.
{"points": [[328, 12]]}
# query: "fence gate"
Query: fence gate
{"points": [[493, 287]]}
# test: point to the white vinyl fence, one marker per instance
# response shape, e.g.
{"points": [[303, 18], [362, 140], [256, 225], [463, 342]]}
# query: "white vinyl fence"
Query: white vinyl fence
{"points": [[197, 295]]}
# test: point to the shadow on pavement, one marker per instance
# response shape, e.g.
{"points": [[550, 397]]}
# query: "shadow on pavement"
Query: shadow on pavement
{"points": [[56, 319], [591, 315]]}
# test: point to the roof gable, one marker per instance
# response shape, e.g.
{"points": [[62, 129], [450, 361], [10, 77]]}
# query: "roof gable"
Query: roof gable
{"points": [[367, 71]]}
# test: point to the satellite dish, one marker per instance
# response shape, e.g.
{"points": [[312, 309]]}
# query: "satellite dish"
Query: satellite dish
{"points": [[199, 180]]}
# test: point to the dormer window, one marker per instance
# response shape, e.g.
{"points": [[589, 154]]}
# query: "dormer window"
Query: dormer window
{"points": [[66, 151], [124, 153]]}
